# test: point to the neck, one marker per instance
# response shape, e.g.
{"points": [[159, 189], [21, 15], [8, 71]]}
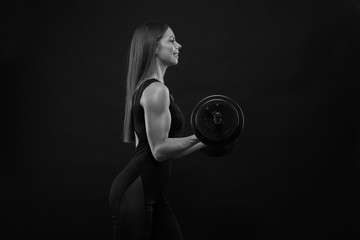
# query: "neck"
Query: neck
{"points": [[159, 72]]}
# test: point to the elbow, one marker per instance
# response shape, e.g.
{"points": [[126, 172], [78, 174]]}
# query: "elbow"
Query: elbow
{"points": [[159, 155]]}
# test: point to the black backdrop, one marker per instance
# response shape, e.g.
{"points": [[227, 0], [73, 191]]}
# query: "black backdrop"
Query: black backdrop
{"points": [[291, 65]]}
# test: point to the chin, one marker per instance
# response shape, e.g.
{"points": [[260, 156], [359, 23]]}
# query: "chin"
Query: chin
{"points": [[176, 62], [172, 62]]}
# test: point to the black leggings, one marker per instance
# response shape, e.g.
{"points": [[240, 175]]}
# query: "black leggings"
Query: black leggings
{"points": [[133, 217]]}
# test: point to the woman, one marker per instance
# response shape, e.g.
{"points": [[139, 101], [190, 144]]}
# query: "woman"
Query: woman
{"points": [[138, 205]]}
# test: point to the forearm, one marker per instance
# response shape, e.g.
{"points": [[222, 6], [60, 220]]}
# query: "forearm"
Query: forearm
{"points": [[175, 147], [190, 150]]}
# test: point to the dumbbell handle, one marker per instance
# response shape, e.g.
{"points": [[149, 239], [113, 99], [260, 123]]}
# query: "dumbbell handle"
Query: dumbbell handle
{"points": [[217, 117]]}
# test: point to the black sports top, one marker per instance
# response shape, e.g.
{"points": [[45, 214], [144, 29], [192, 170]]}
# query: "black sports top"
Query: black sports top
{"points": [[154, 174]]}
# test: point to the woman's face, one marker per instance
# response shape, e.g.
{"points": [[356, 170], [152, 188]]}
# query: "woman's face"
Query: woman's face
{"points": [[167, 51]]}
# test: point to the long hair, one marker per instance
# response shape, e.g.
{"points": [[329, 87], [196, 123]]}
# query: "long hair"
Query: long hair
{"points": [[141, 63]]}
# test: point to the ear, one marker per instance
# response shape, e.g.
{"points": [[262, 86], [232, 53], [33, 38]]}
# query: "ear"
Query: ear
{"points": [[157, 49]]}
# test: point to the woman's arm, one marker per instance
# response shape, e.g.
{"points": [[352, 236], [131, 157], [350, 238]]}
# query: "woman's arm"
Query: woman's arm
{"points": [[155, 101], [192, 149]]}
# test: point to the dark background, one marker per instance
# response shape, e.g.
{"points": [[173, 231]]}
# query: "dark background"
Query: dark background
{"points": [[291, 65]]}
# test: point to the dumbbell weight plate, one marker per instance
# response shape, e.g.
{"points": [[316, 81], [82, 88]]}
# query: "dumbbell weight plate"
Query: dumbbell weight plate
{"points": [[218, 151], [217, 120]]}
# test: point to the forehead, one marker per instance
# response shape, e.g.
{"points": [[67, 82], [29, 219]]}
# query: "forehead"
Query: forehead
{"points": [[168, 33]]}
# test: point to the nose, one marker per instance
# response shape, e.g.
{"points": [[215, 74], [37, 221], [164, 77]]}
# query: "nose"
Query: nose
{"points": [[178, 46]]}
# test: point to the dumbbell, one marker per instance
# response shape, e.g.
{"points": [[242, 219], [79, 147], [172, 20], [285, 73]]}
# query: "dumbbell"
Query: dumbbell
{"points": [[217, 121]]}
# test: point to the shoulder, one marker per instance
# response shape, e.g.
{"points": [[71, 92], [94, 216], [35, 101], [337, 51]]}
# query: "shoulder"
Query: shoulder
{"points": [[156, 95]]}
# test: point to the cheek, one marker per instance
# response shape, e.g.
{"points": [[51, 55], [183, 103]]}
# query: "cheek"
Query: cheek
{"points": [[166, 51], [167, 48]]}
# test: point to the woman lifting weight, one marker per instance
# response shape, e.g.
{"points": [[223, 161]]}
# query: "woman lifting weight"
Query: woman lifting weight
{"points": [[138, 205]]}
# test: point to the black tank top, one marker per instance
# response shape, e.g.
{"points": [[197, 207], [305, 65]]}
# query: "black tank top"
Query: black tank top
{"points": [[154, 174]]}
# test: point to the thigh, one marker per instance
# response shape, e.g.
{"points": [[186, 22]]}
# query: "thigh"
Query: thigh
{"points": [[127, 205], [131, 216], [165, 225]]}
